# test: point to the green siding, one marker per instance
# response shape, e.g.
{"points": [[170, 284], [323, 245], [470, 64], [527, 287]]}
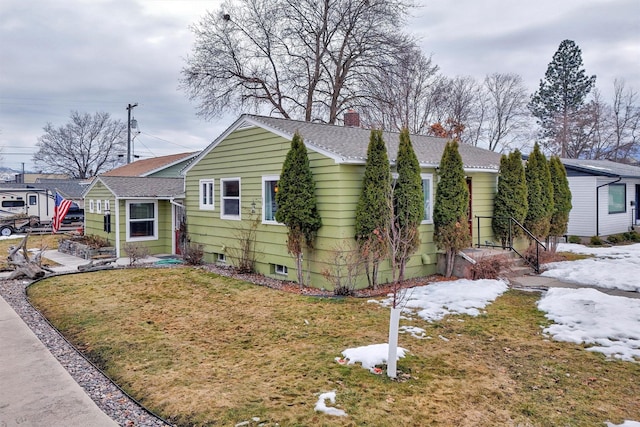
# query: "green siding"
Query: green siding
{"points": [[94, 222], [253, 153]]}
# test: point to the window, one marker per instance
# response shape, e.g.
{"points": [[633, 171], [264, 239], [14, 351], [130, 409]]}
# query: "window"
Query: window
{"points": [[142, 222], [617, 198], [221, 259], [427, 191], [281, 269], [107, 206], [98, 206], [269, 206], [91, 206], [206, 194], [33, 200], [13, 203], [230, 195]]}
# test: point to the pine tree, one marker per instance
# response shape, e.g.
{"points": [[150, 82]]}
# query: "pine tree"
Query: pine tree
{"points": [[408, 203], [450, 210], [561, 199], [297, 202], [373, 212], [511, 197], [539, 194], [561, 96]]}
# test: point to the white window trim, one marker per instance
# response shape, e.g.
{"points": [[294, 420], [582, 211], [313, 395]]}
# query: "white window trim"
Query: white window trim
{"points": [[155, 221], [280, 270], [98, 206], [107, 205], [265, 179], [222, 198], [207, 206], [429, 176], [91, 206]]}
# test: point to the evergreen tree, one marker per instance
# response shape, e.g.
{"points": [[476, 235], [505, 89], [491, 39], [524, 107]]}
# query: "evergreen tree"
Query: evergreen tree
{"points": [[408, 204], [511, 197], [373, 212], [297, 202], [450, 210], [539, 194], [561, 199], [561, 96]]}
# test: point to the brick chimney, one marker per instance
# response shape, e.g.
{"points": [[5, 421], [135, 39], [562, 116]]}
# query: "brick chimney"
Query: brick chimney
{"points": [[352, 119]]}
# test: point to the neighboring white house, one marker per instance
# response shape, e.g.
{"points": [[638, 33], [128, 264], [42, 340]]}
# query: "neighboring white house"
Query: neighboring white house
{"points": [[605, 197]]}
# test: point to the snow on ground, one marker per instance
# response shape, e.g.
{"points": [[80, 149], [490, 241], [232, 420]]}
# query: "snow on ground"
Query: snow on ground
{"points": [[624, 424], [436, 300], [13, 236], [369, 356], [616, 267], [321, 406], [606, 324]]}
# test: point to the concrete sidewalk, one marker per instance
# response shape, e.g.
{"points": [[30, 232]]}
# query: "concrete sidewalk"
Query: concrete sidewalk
{"points": [[35, 390], [542, 283], [69, 263]]}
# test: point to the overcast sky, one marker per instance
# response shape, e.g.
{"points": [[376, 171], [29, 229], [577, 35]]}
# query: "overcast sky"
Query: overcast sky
{"points": [[101, 55]]}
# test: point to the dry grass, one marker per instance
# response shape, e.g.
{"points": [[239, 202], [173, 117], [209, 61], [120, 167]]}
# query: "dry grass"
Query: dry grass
{"points": [[201, 349]]}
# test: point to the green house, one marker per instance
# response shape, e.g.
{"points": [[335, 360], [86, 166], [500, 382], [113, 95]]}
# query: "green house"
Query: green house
{"points": [[230, 191], [145, 211]]}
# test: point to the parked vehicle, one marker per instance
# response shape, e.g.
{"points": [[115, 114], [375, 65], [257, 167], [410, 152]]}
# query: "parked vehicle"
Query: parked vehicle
{"points": [[30, 208]]}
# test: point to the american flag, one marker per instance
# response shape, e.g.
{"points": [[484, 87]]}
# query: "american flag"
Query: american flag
{"points": [[59, 211]]}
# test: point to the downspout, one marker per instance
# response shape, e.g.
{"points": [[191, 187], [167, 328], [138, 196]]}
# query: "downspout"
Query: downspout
{"points": [[598, 203]]}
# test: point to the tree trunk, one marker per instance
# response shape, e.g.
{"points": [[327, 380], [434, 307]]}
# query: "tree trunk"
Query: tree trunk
{"points": [[450, 258]]}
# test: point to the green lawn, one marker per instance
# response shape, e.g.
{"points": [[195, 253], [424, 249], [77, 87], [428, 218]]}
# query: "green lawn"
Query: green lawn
{"points": [[202, 349]]}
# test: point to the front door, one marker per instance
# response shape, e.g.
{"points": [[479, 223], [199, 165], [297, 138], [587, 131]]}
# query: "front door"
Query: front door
{"points": [[179, 229]]}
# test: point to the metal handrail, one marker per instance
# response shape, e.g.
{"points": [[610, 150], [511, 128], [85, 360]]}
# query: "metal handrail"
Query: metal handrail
{"points": [[535, 265]]}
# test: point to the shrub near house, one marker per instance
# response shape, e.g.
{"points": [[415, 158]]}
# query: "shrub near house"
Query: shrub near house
{"points": [[235, 179]]}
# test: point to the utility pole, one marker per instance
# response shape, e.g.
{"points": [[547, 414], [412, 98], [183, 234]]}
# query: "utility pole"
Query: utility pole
{"points": [[129, 108]]}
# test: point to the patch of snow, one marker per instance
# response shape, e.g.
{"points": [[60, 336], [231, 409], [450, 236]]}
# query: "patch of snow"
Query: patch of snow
{"points": [[414, 331], [624, 424], [606, 324], [434, 301], [329, 410], [13, 236], [371, 355], [615, 267]]}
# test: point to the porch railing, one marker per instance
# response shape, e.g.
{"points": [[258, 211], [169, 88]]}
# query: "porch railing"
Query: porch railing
{"points": [[514, 225]]}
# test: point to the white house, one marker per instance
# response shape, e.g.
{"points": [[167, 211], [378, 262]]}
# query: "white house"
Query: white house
{"points": [[605, 197]]}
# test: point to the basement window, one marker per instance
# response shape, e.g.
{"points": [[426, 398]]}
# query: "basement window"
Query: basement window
{"points": [[280, 269]]}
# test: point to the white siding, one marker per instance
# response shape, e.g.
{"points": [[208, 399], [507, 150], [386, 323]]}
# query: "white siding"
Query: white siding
{"points": [[582, 218], [618, 222]]}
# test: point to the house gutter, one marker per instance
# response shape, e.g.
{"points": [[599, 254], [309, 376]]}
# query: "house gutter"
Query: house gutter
{"points": [[598, 203]]}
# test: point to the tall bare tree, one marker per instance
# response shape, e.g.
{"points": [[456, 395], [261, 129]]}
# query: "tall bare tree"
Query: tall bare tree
{"points": [[86, 146], [298, 58], [507, 114], [406, 94]]}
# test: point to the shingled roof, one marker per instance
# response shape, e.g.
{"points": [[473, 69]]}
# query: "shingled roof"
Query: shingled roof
{"points": [[128, 187], [146, 167], [602, 168], [349, 144]]}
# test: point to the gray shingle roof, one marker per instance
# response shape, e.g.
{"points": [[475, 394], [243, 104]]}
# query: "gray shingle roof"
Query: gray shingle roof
{"points": [[69, 189], [603, 167], [349, 144], [133, 186]]}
